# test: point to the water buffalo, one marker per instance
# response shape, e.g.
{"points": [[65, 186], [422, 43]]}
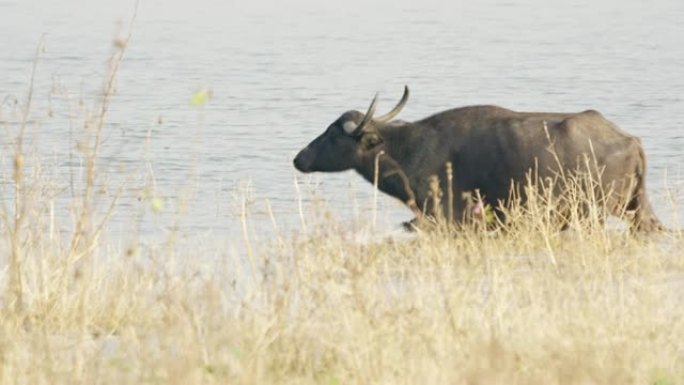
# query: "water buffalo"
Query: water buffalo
{"points": [[492, 150]]}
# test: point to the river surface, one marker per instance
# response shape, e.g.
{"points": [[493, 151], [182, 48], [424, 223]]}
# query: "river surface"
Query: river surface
{"points": [[280, 71]]}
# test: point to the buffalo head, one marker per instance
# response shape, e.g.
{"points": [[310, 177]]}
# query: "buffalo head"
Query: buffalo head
{"points": [[347, 141]]}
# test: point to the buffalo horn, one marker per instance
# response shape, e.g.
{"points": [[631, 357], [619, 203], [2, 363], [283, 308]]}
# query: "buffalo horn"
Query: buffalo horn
{"points": [[369, 114], [397, 109]]}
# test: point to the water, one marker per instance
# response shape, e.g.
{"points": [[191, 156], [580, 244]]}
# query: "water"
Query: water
{"points": [[281, 71]]}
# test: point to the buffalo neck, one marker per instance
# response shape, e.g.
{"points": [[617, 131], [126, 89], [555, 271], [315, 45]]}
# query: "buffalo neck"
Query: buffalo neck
{"points": [[396, 146], [399, 139]]}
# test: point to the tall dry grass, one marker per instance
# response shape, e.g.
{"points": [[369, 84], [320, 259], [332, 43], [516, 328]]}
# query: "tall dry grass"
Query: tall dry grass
{"points": [[528, 305], [524, 307]]}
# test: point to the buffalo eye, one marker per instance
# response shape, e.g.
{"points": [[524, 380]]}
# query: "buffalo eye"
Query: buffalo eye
{"points": [[370, 140]]}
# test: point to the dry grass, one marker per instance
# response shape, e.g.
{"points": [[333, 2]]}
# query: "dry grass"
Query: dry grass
{"points": [[580, 307], [529, 305]]}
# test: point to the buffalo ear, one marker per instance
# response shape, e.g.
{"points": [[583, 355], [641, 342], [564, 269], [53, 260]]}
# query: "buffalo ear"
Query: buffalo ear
{"points": [[370, 140]]}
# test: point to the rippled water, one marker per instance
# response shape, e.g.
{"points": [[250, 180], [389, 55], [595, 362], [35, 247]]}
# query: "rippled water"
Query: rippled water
{"points": [[281, 71]]}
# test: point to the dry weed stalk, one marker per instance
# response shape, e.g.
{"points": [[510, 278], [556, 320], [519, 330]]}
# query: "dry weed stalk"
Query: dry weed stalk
{"points": [[15, 286]]}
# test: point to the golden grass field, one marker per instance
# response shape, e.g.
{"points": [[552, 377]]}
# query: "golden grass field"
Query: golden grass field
{"points": [[579, 307], [528, 305]]}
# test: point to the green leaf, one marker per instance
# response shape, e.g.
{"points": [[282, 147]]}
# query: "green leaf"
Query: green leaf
{"points": [[201, 97], [157, 204], [489, 214], [661, 378]]}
